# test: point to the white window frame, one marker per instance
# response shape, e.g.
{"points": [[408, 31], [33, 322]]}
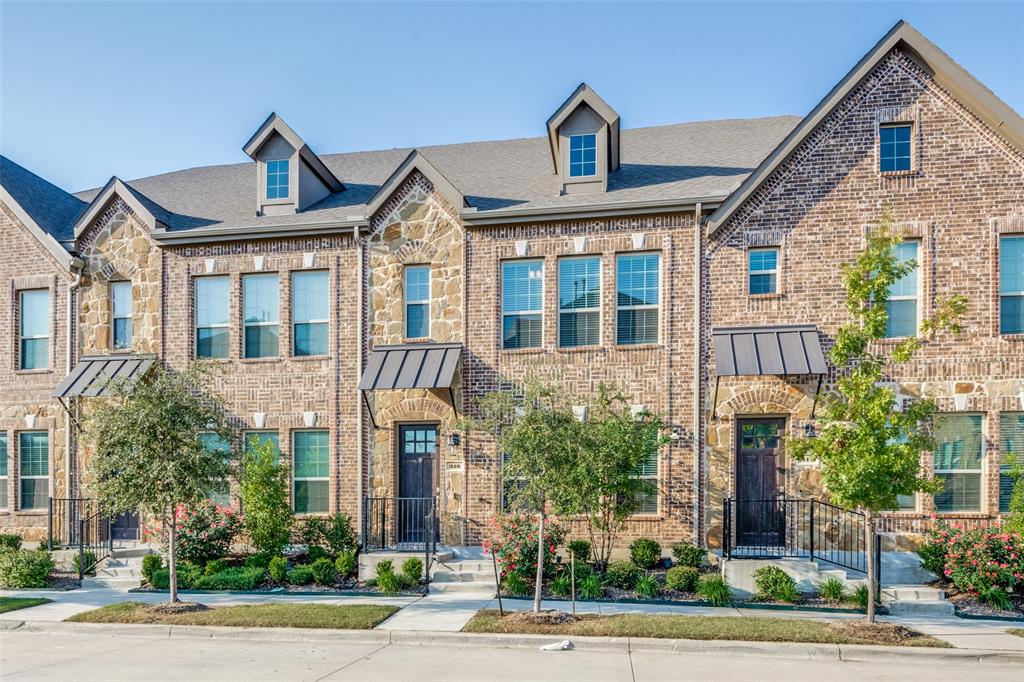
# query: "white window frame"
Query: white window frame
{"points": [[595, 309], [6, 478], [36, 477], [263, 323], [916, 297], [114, 317], [295, 323], [878, 146], [296, 478], [1012, 293], [505, 502], [409, 301], [519, 313], [773, 271], [980, 470], [655, 480], [219, 325], [645, 306], [23, 337]]}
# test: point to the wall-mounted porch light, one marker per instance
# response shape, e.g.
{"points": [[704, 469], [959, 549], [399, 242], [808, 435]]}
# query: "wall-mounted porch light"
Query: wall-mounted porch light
{"points": [[809, 431], [454, 439]]}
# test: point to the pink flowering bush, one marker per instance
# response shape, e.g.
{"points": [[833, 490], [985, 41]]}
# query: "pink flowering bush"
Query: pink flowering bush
{"points": [[514, 545], [205, 531], [985, 562]]}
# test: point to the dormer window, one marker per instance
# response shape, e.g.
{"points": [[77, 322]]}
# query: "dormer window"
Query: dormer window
{"points": [[582, 155], [277, 179]]}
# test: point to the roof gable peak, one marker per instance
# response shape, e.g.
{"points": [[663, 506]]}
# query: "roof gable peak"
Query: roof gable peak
{"points": [[275, 125]]}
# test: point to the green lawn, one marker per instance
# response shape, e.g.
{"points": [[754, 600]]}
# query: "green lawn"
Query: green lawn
{"points": [[346, 617], [15, 603], [688, 627], [1017, 631]]}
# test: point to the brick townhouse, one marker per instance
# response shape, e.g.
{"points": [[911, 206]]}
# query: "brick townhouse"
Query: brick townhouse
{"points": [[359, 303]]}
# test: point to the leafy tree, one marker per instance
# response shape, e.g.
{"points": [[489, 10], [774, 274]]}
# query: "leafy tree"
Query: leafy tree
{"points": [[1015, 517], [870, 452], [263, 487], [542, 441], [148, 451], [614, 446]]}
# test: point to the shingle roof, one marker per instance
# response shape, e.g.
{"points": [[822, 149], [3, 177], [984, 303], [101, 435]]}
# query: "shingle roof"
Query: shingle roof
{"points": [[53, 209], [681, 161]]}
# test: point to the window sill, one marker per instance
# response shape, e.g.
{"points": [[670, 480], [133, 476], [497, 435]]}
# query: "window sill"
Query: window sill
{"points": [[29, 372], [1015, 337], [253, 361], [308, 358], [766, 297], [897, 173], [418, 339], [220, 361], [30, 512], [638, 346], [582, 349], [647, 518], [523, 351]]}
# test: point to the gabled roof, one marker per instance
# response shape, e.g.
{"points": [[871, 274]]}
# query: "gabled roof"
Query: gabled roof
{"points": [[45, 209], [584, 94], [947, 73], [275, 124], [414, 162], [155, 216]]}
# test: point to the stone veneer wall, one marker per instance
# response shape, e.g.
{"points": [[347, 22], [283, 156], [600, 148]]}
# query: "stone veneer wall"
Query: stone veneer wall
{"points": [[966, 188], [27, 264]]}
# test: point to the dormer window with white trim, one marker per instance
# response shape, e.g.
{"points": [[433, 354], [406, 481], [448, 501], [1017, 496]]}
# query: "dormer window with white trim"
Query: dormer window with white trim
{"points": [[277, 179], [582, 155]]}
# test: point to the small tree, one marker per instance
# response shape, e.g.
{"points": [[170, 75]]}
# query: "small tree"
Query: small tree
{"points": [[1015, 512], [542, 441], [263, 488], [614, 447], [870, 453], [148, 451]]}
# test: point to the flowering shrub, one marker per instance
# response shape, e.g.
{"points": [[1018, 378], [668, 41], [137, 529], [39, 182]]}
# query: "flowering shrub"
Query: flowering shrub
{"points": [[514, 545], [205, 532], [985, 562]]}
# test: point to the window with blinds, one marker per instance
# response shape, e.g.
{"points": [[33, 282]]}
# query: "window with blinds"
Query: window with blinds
{"points": [[960, 446], [417, 301], [637, 298], [522, 296], [211, 304], [220, 493], [260, 308], [1011, 447], [3, 471], [34, 469], [510, 489], [579, 302], [310, 313], [310, 472], [901, 306], [1011, 285], [647, 502]]}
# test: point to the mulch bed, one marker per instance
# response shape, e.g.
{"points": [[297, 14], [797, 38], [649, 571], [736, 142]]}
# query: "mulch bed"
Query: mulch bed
{"points": [[176, 607], [64, 579], [545, 617], [879, 633], [967, 604]]}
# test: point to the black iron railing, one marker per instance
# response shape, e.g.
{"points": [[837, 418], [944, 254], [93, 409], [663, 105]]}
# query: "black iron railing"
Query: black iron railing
{"points": [[787, 527], [399, 523], [95, 542], [64, 516]]}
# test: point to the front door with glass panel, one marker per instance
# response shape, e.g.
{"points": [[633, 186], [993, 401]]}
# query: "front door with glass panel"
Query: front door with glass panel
{"points": [[760, 513], [417, 457]]}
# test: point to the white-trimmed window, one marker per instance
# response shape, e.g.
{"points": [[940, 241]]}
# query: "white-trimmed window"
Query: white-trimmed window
{"points": [[1011, 284], [417, 301], [579, 301], [221, 492], [121, 314], [960, 447], [260, 314], [310, 471], [522, 303], [310, 313], [34, 469], [1011, 439], [4, 480], [277, 179], [763, 270], [254, 439], [34, 329], [894, 147], [582, 155], [901, 306], [510, 487], [638, 278], [212, 333], [647, 502]]}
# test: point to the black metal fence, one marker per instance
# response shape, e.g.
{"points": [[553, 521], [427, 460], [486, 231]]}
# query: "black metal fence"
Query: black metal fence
{"points": [[64, 516], [95, 542], [399, 523], [785, 527]]}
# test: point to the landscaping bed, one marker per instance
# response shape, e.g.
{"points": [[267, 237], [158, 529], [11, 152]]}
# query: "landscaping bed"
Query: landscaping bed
{"points": [[344, 617], [701, 628], [15, 603], [33, 569]]}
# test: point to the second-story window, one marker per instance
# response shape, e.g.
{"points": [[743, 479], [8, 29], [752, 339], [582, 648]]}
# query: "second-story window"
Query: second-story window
{"points": [[894, 147], [417, 301], [212, 332], [637, 298], [260, 310], [582, 155], [277, 179], [763, 271], [1011, 285], [522, 294], [901, 306], [121, 314], [34, 329], [310, 313], [579, 302]]}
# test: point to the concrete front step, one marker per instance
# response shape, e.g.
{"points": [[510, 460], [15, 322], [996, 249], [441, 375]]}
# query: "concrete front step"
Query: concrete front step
{"points": [[443, 576], [921, 608], [482, 589], [118, 583], [912, 593]]}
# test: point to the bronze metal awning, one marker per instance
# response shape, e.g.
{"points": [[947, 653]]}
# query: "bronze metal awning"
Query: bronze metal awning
{"points": [[754, 351], [412, 365], [92, 376]]}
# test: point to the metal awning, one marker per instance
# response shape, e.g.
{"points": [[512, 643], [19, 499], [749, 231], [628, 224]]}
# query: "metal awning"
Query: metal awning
{"points": [[413, 365], [753, 351], [92, 376]]}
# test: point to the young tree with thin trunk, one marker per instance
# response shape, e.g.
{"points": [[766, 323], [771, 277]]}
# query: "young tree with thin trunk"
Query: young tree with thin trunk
{"points": [[149, 456], [870, 451]]}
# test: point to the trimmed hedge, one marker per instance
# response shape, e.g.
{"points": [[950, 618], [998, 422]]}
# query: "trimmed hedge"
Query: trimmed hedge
{"points": [[238, 578], [25, 568]]}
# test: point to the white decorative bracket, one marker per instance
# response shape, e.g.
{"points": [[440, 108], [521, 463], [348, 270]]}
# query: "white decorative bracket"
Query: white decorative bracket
{"points": [[960, 401], [259, 261], [522, 247], [309, 419], [1022, 399], [579, 244], [638, 240], [637, 410], [307, 259], [211, 263], [30, 421], [581, 412], [259, 419]]}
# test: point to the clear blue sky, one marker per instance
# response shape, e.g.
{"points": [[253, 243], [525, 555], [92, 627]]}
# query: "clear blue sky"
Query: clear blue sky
{"points": [[93, 89]]}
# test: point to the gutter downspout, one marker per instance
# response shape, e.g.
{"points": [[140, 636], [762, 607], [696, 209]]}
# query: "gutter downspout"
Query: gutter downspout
{"points": [[70, 365], [697, 336], [361, 439]]}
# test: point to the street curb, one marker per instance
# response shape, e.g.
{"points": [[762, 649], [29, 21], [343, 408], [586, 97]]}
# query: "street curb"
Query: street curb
{"points": [[807, 651]]}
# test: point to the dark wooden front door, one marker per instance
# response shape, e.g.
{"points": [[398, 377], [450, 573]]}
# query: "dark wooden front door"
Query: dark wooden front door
{"points": [[760, 514], [125, 527], [417, 457]]}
